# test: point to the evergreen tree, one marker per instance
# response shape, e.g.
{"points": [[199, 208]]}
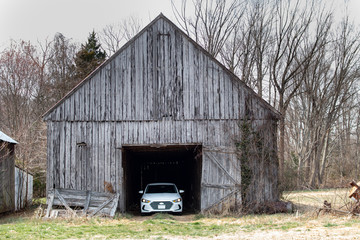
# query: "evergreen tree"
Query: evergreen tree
{"points": [[89, 57]]}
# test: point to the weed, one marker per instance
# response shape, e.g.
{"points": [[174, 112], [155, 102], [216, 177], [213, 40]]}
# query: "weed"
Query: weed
{"points": [[199, 216], [163, 216], [38, 201], [124, 215], [149, 221], [196, 223], [330, 225], [289, 225]]}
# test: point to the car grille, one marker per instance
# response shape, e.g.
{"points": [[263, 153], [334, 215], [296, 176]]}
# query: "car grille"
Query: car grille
{"points": [[155, 205]]}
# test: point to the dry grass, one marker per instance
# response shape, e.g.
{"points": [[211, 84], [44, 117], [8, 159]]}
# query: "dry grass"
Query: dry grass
{"points": [[312, 200]]}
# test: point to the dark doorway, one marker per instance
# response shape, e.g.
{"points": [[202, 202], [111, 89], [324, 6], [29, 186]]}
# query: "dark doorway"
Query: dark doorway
{"points": [[179, 164]]}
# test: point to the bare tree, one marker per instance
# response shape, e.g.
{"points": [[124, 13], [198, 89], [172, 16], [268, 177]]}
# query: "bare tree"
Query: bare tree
{"points": [[292, 54], [21, 77], [211, 22], [18, 84], [319, 116], [40, 56], [113, 36], [247, 50]]}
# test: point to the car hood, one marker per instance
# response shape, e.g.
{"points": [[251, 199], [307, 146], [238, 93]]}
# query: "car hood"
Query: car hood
{"points": [[161, 196]]}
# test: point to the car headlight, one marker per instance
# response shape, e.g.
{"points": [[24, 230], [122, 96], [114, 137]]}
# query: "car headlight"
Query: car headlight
{"points": [[145, 200], [177, 200]]}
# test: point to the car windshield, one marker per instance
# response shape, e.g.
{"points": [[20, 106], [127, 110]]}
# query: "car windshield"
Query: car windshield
{"points": [[161, 189]]}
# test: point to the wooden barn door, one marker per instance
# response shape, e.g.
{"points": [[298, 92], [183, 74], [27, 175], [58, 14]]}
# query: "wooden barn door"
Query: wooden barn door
{"points": [[221, 179]]}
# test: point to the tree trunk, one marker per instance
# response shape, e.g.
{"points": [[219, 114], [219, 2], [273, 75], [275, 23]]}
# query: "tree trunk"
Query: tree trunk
{"points": [[324, 157], [281, 139]]}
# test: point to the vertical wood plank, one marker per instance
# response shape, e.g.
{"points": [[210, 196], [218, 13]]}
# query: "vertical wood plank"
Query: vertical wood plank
{"points": [[72, 144], [78, 158], [186, 101], [191, 79], [223, 99], [62, 160], [89, 157], [128, 84], [67, 154], [180, 88], [107, 139], [216, 91], [102, 84], [96, 159], [112, 155], [133, 80], [118, 160], [50, 156], [101, 159], [210, 92], [91, 100]]}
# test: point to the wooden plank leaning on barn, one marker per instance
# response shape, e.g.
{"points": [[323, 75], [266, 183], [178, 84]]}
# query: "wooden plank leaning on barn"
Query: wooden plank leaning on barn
{"points": [[92, 203]]}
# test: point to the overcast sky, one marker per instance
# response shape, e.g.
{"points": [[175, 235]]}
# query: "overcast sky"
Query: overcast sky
{"points": [[38, 19]]}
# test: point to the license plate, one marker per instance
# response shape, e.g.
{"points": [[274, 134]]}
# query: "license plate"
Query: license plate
{"points": [[161, 206]]}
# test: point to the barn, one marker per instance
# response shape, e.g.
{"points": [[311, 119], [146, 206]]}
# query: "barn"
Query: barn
{"points": [[162, 109], [16, 184], [7, 173]]}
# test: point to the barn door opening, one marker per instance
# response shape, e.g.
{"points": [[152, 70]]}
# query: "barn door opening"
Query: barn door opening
{"points": [[179, 164]]}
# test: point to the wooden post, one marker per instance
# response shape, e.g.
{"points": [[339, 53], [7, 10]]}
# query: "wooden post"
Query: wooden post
{"points": [[62, 200], [87, 202], [50, 203]]}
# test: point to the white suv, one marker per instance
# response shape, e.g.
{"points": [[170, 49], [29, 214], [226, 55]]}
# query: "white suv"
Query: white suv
{"points": [[161, 197]]}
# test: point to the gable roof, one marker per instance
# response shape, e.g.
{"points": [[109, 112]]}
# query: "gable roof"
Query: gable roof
{"points": [[277, 115], [6, 138]]}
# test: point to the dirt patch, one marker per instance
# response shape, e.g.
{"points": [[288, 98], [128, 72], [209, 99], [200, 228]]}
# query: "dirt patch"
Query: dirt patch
{"points": [[10, 216], [181, 218]]}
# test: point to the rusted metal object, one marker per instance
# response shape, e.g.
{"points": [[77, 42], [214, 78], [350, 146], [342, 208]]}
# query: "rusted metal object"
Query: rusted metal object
{"points": [[327, 206], [355, 191], [355, 195]]}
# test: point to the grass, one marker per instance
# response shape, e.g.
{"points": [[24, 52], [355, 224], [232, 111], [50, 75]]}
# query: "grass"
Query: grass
{"points": [[108, 229], [165, 226], [161, 227]]}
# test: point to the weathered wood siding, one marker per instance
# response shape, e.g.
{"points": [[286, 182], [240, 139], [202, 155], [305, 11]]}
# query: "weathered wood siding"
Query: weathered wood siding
{"points": [[160, 74], [160, 88], [23, 189], [87, 167], [7, 177]]}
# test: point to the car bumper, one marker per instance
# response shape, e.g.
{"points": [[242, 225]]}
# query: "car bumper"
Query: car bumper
{"points": [[161, 207]]}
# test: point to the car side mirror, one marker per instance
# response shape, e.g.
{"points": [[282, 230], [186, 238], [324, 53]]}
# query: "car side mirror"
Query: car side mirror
{"points": [[141, 192], [181, 191]]}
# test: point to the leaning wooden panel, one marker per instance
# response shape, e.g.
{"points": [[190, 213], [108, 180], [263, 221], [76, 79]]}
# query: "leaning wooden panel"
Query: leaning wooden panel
{"points": [[93, 203]]}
